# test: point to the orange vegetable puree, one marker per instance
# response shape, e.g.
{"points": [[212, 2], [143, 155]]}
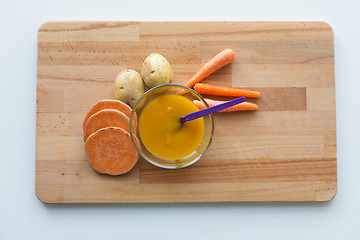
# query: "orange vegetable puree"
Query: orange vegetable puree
{"points": [[160, 130]]}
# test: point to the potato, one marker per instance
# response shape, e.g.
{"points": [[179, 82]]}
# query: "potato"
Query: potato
{"points": [[129, 87], [156, 70]]}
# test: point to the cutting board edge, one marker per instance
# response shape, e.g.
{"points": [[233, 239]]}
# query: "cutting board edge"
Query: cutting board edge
{"points": [[320, 199]]}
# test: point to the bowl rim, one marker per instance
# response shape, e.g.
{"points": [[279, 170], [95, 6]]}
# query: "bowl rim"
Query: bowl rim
{"points": [[132, 134]]}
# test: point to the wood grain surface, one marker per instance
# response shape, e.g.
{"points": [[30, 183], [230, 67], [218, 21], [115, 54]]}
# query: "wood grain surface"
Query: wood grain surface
{"points": [[285, 151]]}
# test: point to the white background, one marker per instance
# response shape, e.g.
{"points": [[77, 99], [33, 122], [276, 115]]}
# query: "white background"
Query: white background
{"points": [[23, 216]]}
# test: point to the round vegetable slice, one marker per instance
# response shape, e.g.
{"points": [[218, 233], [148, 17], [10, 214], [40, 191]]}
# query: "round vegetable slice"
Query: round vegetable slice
{"points": [[109, 104], [106, 118], [111, 151]]}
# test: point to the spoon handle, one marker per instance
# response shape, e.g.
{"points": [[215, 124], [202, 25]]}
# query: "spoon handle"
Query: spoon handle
{"points": [[213, 109]]}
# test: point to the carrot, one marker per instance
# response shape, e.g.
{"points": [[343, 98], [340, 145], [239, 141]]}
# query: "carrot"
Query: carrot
{"points": [[109, 104], [238, 107], [111, 151], [221, 59], [204, 88], [106, 118]]}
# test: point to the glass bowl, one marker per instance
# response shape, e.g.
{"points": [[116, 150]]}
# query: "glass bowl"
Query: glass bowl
{"points": [[147, 97]]}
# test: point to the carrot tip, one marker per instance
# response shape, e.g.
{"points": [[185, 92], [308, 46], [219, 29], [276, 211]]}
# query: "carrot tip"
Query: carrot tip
{"points": [[231, 51], [182, 92]]}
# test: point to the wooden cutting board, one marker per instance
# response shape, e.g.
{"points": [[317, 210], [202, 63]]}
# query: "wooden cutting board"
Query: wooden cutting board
{"points": [[286, 151]]}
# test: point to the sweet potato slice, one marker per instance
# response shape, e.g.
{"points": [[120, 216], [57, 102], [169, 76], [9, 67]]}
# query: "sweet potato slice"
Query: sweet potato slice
{"points": [[109, 104], [111, 151], [106, 118]]}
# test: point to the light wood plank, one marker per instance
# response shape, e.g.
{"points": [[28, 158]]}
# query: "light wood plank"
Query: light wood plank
{"points": [[49, 193], [84, 31], [326, 190], [236, 31], [55, 124], [231, 192], [80, 172], [273, 52], [330, 144], [283, 75], [131, 54], [320, 99], [76, 99], [52, 148], [266, 146], [276, 123], [91, 74], [49, 99]]}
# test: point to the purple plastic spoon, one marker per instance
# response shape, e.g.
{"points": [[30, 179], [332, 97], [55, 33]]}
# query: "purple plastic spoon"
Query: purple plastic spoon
{"points": [[210, 110]]}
